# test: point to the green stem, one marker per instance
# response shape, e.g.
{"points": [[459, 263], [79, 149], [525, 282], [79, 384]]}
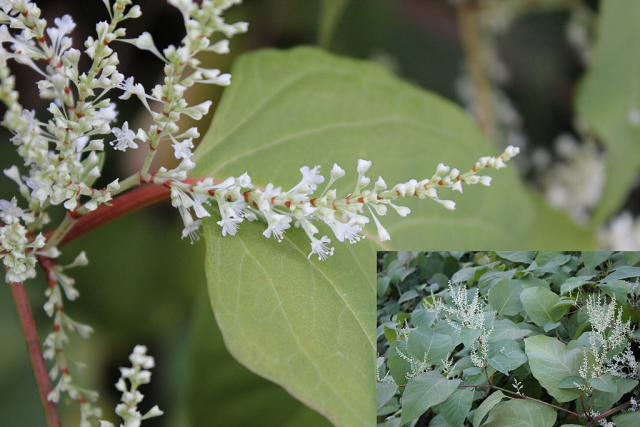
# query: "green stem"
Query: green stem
{"points": [[65, 226], [147, 161], [128, 183]]}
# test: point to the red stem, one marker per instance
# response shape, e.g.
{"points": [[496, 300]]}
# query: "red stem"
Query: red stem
{"points": [[120, 206], [35, 352]]}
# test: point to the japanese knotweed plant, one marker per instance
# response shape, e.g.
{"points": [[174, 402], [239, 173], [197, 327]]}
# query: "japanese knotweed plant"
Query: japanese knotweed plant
{"points": [[62, 155], [508, 339]]}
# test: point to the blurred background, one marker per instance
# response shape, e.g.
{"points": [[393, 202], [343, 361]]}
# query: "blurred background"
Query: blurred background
{"points": [[146, 286]]}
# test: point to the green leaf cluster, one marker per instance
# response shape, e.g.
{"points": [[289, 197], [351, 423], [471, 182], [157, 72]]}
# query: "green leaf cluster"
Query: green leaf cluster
{"points": [[526, 359]]}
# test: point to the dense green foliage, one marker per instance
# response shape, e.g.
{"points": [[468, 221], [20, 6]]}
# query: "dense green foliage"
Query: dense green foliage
{"points": [[508, 338]]}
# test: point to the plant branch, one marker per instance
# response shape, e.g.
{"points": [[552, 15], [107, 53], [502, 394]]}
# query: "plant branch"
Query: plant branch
{"points": [[526, 397], [35, 352], [609, 412], [136, 199], [471, 42]]}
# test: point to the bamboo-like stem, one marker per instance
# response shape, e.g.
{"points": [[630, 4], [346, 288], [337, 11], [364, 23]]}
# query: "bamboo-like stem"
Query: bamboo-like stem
{"points": [[472, 45], [35, 352]]}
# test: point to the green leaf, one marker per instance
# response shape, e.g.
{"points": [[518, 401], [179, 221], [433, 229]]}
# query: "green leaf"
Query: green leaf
{"points": [[437, 421], [486, 406], [593, 259], [627, 419], [398, 366], [384, 393], [551, 362], [383, 285], [390, 334], [509, 348], [217, 385], [409, 295], [424, 343], [545, 257], [617, 288], [505, 298], [632, 257], [292, 320], [549, 326], [521, 413], [564, 302], [538, 303], [506, 329], [603, 401], [569, 384], [424, 391], [605, 383], [573, 283], [520, 256], [468, 336], [622, 273], [500, 362], [421, 317], [457, 406], [468, 273], [609, 92]]}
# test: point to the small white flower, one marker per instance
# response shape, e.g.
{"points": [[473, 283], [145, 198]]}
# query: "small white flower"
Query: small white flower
{"points": [[336, 172], [277, 224], [124, 138], [108, 114], [182, 149], [65, 24], [363, 166], [310, 177], [448, 204], [383, 234], [319, 246]]}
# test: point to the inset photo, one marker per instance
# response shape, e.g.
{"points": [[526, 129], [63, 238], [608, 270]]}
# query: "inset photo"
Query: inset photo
{"points": [[492, 338]]}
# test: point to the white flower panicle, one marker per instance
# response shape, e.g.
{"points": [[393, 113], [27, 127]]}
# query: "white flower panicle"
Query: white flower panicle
{"points": [[301, 206], [130, 380], [17, 250], [608, 332], [62, 153], [467, 315]]}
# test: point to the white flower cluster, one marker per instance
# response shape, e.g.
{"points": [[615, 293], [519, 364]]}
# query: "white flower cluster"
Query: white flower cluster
{"points": [[201, 22], [238, 200], [608, 331], [63, 155], [467, 315], [624, 365], [66, 173], [137, 375], [17, 250]]}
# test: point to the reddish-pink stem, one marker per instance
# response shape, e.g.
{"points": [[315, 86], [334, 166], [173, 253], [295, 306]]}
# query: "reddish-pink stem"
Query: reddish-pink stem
{"points": [[35, 352], [120, 206]]}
